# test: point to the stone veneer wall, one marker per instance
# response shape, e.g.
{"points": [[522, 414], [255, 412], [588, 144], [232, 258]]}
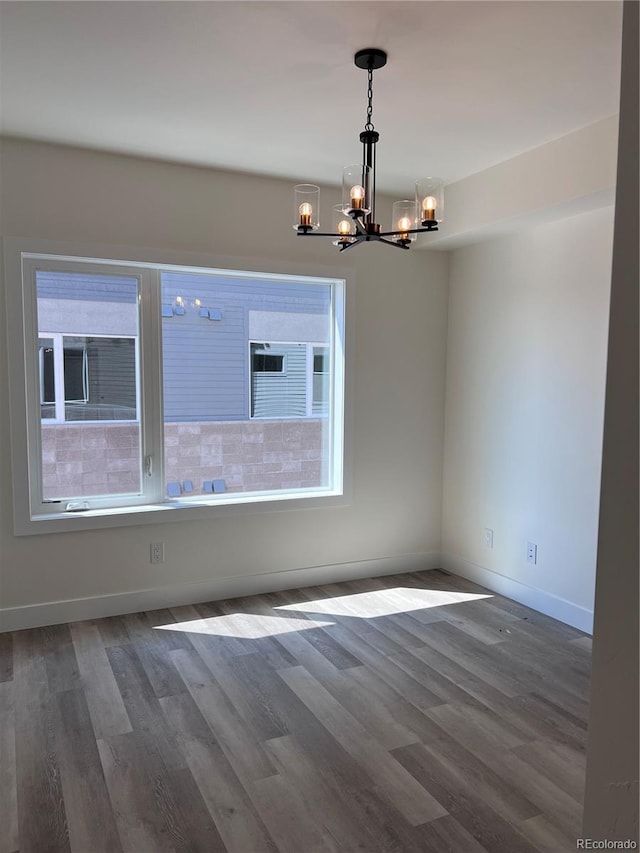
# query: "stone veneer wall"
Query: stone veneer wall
{"points": [[86, 459], [89, 459]]}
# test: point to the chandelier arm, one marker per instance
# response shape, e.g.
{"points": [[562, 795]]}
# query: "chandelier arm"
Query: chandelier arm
{"points": [[408, 231], [318, 234], [348, 246], [359, 225], [391, 243]]}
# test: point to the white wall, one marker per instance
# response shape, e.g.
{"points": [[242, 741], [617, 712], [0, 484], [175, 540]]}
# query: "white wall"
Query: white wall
{"points": [[573, 174], [396, 341], [526, 357]]}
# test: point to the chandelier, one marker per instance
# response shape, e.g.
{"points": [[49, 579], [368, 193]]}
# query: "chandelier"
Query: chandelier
{"points": [[354, 219]]}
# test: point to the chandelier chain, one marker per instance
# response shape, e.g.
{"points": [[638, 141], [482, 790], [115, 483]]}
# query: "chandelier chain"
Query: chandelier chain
{"points": [[369, 123]]}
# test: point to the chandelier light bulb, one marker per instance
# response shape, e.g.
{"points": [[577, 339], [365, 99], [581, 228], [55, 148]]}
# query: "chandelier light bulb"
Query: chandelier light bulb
{"points": [[403, 217], [430, 201], [357, 197], [342, 226], [305, 210], [429, 205], [306, 207]]}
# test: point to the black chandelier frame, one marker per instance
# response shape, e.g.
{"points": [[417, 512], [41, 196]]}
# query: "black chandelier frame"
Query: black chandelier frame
{"points": [[367, 229]]}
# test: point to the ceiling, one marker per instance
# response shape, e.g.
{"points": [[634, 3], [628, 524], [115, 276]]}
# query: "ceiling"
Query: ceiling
{"points": [[270, 87]]}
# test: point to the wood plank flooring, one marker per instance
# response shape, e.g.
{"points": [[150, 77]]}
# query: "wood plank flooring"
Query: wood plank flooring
{"points": [[414, 712]]}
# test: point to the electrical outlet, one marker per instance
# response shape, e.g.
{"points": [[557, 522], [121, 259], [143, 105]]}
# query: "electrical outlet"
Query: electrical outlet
{"points": [[532, 553], [488, 537], [156, 552]]}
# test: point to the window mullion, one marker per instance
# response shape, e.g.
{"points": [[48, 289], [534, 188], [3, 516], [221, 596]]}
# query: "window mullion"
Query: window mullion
{"points": [[309, 383], [150, 378], [58, 376]]}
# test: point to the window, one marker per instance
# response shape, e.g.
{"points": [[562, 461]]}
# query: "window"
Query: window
{"points": [[278, 380], [155, 386], [289, 380], [87, 378], [321, 375], [264, 361]]}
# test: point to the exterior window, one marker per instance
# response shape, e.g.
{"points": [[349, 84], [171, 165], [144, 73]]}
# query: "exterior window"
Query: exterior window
{"points": [[289, 380], [278, 393], [320, 380], [96, 378], [159, 386], [263, 361]]}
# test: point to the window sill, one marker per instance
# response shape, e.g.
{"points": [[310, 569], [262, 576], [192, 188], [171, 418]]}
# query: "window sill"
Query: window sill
{"points": [[191, 509]]}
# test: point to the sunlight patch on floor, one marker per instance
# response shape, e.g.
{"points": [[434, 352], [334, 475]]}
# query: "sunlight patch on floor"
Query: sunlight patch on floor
{"points": [[245, 626], [383, 602]]}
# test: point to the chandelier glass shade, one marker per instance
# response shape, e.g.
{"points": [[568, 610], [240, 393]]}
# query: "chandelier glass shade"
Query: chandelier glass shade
{"points": [[354, 218]]}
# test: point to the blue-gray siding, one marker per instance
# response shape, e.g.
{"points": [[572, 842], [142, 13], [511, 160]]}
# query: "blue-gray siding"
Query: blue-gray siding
{"points": [[207, 373], [86, 287], [206, 365]]}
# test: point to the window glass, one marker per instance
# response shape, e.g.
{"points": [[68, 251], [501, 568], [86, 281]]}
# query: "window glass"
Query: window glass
{"points": [[87, 356], [239, 384], [99, 378], [263, 361]]}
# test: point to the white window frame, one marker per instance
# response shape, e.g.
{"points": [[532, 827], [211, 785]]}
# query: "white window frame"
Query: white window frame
{"points": [[56, 371], [22, 259]]}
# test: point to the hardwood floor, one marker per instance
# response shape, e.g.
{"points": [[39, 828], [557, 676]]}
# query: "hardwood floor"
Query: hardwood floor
{"points": [[415, 712]]}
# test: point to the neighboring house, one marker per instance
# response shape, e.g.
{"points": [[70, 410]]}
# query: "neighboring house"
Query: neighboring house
{"points": [[87, 347], [243, 349]]}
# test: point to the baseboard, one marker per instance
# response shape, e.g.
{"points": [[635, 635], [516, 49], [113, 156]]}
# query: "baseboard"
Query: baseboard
{"points": [[545, 602], [96, 607]]}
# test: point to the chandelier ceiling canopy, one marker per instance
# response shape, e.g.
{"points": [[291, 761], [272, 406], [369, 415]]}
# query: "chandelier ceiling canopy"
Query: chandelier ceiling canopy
{"points": [[354, 219]]}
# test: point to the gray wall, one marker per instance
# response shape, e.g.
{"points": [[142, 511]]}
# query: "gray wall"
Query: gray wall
{"points": [[611, 798]]}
